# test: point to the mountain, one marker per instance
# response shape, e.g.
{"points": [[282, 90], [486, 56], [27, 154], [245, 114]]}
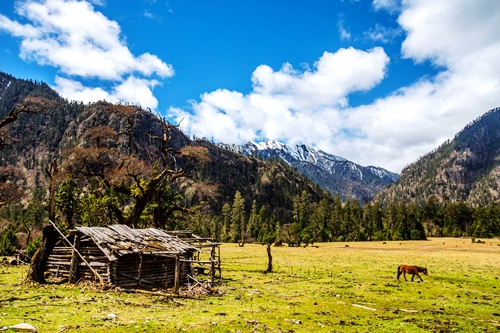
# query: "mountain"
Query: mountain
{"points": [[466, 168], [43, 137], [333, 173]]}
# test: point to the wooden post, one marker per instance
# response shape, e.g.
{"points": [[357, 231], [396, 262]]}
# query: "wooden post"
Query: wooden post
{"points": [[177, 277], [139, 273], [73, 268], [212, 267], [269, 259], [219, 264]]}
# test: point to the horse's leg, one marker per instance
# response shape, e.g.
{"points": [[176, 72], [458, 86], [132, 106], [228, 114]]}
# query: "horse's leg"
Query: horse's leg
{"points": [[404, 275], [412, 276], [420, 277]]}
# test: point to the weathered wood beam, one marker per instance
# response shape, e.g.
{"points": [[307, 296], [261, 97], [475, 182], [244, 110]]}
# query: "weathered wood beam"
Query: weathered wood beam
{"points": [[73, 269]]}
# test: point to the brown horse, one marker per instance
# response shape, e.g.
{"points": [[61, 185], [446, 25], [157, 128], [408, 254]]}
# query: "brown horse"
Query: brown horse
{"points": [[413, 270]]}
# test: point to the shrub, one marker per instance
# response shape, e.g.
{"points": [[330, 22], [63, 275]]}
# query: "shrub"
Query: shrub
{"points": [[8, 242], [33, 246]]}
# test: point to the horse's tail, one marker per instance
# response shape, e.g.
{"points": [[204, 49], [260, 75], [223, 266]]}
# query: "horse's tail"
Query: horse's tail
{"points": [[399, 271]]}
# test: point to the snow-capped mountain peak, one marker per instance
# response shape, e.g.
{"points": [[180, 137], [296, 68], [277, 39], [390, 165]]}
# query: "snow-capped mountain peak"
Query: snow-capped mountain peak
{"points": [[326, 169], [290, 154]]}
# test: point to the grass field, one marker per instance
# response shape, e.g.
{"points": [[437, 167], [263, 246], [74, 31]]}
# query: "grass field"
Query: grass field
{"points": [[330, 287]]}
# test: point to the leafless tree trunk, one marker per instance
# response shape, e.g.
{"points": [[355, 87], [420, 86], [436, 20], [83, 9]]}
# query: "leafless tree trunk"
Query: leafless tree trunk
{"points": [[269, 259], [39, 259]]}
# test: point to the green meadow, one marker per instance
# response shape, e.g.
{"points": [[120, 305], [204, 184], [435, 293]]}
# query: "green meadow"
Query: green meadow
{"points": [[328, 287]]}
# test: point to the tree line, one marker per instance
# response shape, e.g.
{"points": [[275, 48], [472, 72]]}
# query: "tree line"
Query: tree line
{"points": [[332, 219]]}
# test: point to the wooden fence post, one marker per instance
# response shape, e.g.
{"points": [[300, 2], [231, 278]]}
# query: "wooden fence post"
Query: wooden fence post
{"points": [[73, 268], [177, 277], [212, 267], [139, 273]]}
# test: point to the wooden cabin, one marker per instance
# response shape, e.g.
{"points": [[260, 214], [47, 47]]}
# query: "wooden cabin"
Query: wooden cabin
{"points": [[124, 257]]}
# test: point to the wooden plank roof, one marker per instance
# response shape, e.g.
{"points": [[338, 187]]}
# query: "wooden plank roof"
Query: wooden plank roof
{"points": [[118, 240]]}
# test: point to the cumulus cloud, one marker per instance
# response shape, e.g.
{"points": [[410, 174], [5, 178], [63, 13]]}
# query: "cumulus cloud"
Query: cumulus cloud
{"points": [[82, 42], [312, 106], [288, 105], [74, 90], [446, 32], [132, 90], [455, 36]]}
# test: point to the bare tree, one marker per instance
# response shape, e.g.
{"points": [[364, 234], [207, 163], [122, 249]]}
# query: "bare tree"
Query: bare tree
{"points": [[98, 158], [28, 105]]}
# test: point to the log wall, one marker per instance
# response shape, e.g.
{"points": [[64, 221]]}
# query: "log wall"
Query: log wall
{"points": [[129, 271], [154, 271], [59, 263]]}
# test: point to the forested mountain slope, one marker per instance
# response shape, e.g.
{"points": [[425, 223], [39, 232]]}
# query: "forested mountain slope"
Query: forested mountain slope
{"points": [[42, 138], [466, 168]]}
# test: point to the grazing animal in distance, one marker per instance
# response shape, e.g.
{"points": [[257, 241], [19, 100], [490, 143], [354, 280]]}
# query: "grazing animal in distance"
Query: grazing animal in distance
{"points": [[413, 270]]}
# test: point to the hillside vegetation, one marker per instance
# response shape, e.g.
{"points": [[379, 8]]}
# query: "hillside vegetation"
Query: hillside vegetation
{"points": [[466, 168]]}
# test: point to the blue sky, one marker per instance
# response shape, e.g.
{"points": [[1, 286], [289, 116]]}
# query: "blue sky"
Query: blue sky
{"points": [[377, 82]]}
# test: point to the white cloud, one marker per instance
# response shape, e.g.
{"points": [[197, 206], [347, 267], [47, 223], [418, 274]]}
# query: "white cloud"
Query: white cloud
{"points": [[137, 91], [81, 42], [456, 36], [18, 29], [98, 2], [133, 90], [312, 107], [446, 32], [75, 90], [391, 6], [287, 105], [343, 32], [336, 75], [382, 34]]}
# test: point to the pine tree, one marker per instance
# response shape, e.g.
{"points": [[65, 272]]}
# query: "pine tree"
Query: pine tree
{"points": [[226, 222], [8, 240], [66, 202], [335, 219], [251, 229], [238, 220]]}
